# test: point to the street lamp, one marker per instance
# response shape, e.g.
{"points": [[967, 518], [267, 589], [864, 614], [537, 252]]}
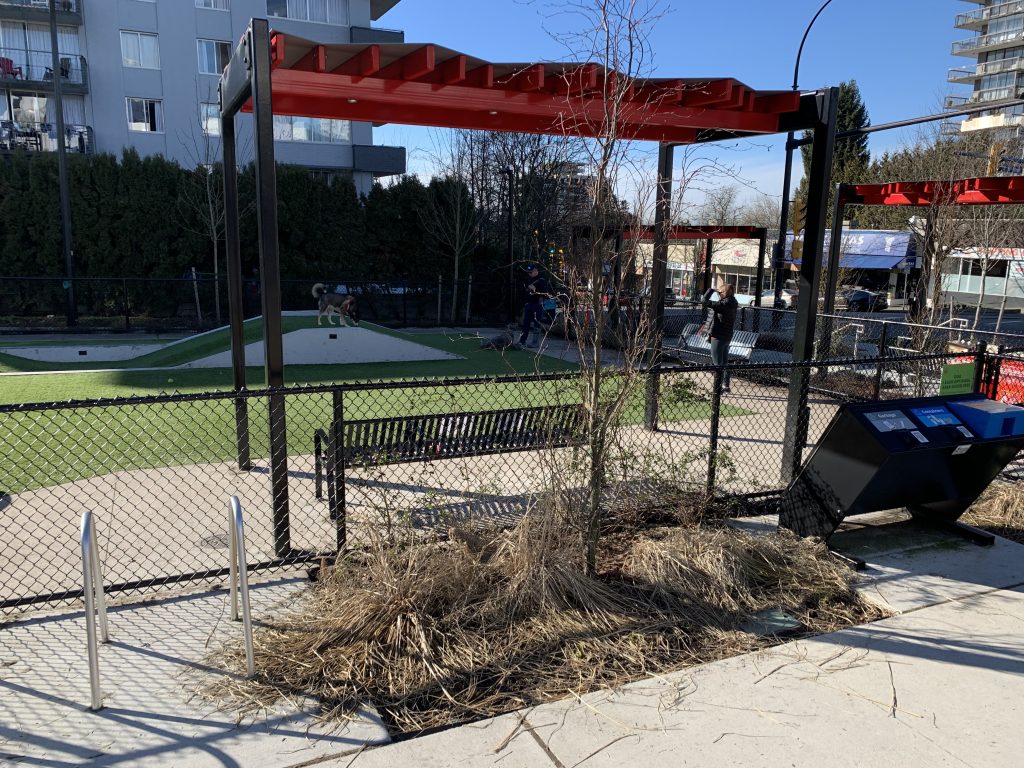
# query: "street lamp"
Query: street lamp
{"points": [[780, 244], [509, 172]]}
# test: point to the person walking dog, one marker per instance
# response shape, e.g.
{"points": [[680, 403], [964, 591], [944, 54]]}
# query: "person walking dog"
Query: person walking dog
{"points": [[719, 322]]}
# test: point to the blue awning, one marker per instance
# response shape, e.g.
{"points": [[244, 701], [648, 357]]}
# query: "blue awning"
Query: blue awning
{"points": [[869, 262]]}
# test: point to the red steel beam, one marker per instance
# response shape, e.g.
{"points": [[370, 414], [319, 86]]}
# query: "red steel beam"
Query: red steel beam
{"points": [[364, 64], [997, 190]]}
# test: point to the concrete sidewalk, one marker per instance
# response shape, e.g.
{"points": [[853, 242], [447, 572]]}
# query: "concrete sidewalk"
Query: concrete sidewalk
{"points": [[941, 684]]}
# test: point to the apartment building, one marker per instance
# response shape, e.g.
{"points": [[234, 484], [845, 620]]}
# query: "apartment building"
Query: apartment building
{"points": [[144, 74], [996, 72]]}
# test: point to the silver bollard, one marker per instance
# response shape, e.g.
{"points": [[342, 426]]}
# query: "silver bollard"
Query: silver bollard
{"points": [[239, 575], [92, 587]]}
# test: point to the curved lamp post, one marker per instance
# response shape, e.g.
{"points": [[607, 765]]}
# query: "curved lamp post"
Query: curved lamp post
{"points": [[780, 245]]}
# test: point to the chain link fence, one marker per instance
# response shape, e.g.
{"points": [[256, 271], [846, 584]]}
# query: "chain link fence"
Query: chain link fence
{"points": [[201, 303], [359, 459]]}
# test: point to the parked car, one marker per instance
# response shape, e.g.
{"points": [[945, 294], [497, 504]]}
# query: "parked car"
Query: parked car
{"points": [[787, 299], [861, 300]]}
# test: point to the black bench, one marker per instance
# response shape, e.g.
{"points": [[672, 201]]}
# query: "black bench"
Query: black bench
{"points": [[431, 437]]}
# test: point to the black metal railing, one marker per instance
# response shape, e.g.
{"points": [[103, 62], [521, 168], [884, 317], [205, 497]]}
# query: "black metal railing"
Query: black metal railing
{"points": [[18, 65], [42, 137]]}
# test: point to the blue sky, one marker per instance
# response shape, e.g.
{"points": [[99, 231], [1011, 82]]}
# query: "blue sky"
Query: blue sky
{"points": [[897, 50]]}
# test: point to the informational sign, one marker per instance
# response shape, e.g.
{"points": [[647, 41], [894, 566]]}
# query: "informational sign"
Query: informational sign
{"points": [[935, 416], [957, 379], [890, 421]]}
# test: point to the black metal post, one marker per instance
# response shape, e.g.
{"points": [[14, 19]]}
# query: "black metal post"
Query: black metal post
{"points": [[980, 351], [762, 247], [835, 250], [127, 306], [338, 512], [656, 301], [62, 173], [270, 275], [716, 412], [810, 279], [511, 249], [318, 464], [236, 308], [883, 347], [709, 254]]}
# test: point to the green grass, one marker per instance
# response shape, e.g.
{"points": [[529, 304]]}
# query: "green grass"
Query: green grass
{"points": [[40, 449]]}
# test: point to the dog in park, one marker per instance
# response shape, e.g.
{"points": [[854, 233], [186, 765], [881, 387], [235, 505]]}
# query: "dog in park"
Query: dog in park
{"points": [[344, 306]]}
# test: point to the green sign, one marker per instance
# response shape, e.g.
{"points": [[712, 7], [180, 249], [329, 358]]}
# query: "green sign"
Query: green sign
{"points": [[957, 379]]}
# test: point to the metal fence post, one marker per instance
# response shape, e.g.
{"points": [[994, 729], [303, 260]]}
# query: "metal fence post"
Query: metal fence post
{"points": [[716, 411], [883, 342], [980, 352], [238, 570], [337, 467], [127, 307], [438, 301]]}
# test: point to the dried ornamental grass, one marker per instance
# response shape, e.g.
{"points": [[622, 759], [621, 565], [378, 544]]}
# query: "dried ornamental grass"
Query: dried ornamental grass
{"points": [[1000, 510], [439, 633]]}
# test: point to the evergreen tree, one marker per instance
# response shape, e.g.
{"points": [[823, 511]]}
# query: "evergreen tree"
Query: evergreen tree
{"points": [[851, 159]]}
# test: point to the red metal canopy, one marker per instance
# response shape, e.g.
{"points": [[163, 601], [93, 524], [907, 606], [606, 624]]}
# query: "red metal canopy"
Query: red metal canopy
{"points": [[426, 84], [994, 190]]}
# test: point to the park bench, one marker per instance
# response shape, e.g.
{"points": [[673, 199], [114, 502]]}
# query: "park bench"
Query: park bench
{"points": [[431, 437], [691, 340]]}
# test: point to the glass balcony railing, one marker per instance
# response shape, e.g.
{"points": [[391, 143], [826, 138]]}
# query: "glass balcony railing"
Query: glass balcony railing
{"points": [[989, 95], [68, 6], [984, 15], [18, 65], [970, 74], [42, 137], [980, 43]]}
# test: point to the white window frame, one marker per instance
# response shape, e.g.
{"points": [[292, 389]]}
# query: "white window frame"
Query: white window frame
{"points": [[128, 113], [139, 36], [224, 5], [205, 116], [343, 23], [227, 48]]}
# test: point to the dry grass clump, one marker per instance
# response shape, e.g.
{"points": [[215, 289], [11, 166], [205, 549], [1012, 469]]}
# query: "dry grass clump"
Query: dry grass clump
{"points": [[1000, 510], [439, 633]]}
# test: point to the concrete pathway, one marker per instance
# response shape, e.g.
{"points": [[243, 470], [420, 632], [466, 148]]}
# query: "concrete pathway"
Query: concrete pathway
{"points": [[941, 684], [149, 670]]}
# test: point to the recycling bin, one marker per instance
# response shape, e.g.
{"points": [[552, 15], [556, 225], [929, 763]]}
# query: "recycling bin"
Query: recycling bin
{"points": [[932, 455]]}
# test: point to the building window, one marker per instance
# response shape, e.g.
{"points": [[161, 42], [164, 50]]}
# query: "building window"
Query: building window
{"points": [[214, 5], [146, 115], [312, 129], [209, 116], [213, 56], [322, 11], [139, 49]]}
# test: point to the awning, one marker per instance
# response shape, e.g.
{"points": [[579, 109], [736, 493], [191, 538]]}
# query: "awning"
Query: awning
{"points": [[869, 262]]}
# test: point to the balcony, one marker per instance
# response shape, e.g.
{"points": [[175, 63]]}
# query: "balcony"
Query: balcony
{"points": [[377, 35], [975, 45], [21, 69], [970, 74], [69, 12], [41, 137], [979, 18], [988, 96], [949, 128], [378, 160]]}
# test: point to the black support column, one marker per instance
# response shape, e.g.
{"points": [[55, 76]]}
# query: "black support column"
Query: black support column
{"points": [[810, 279], [235, 298], [270, 275], [656, 302]]}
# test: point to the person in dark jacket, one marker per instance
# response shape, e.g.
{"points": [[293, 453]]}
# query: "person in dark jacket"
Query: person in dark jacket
{"points": [[537, 290], [719, 323]]}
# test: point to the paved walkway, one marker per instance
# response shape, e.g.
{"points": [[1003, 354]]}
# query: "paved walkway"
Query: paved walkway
{"points": [[940, 684]]}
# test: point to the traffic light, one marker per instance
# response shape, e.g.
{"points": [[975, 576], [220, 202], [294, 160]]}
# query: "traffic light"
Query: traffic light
{"points": [[799, 215]]}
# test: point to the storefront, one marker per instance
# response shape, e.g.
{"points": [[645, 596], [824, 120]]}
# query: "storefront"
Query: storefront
{"points": [[877, 260], [972, 274]]}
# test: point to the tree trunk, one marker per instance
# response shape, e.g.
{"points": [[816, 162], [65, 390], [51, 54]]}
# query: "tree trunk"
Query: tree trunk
{"points": [[216, 251], [981, 289]]}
